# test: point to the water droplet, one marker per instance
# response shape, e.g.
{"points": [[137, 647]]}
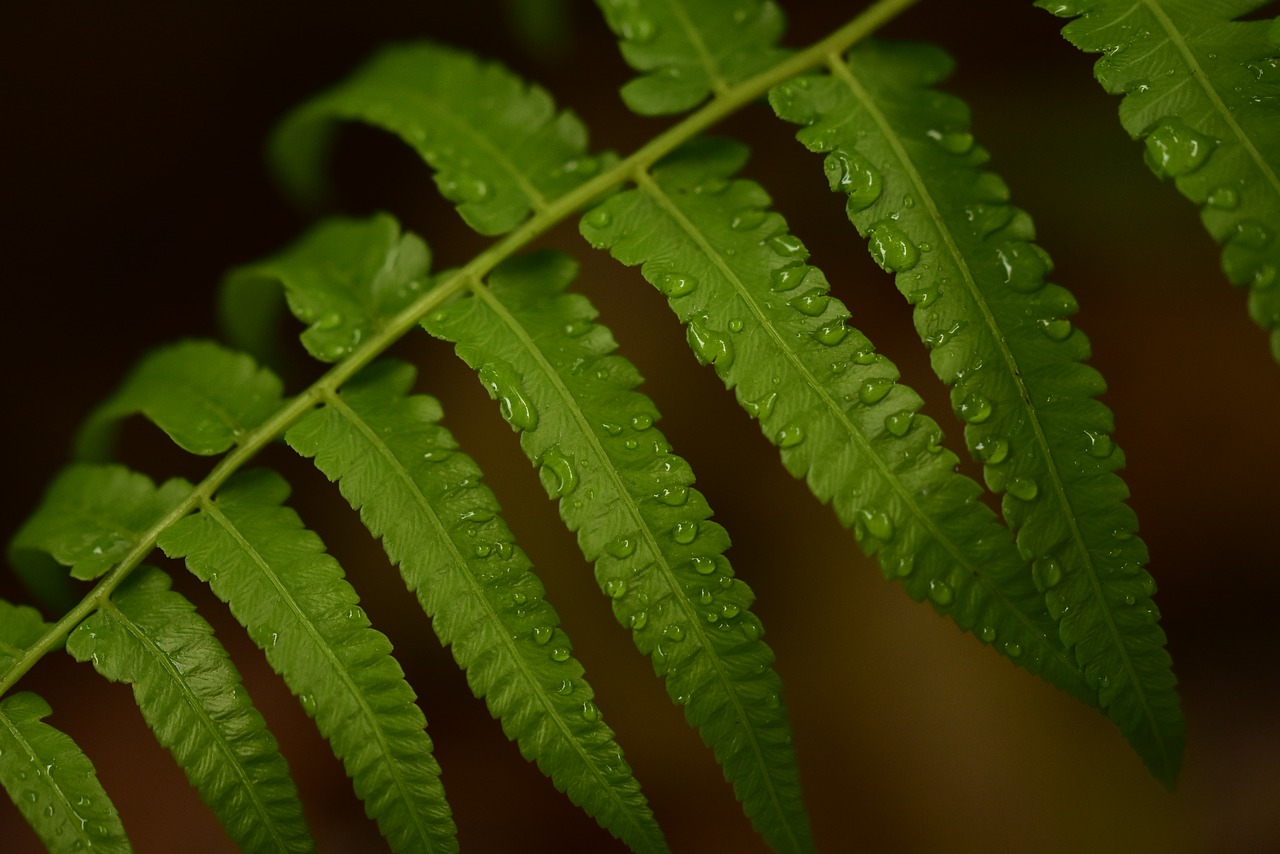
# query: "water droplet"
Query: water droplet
{"points": [[703, 565], [705, 596], [729, 610], [940, 593], [590, 712], [1100, 444], [878, 524], [924, 297], [875, 390], [331, 320], [542, 635], [565, 688], [1059, 329], [560, 478], [891, 248], [788, 246], [685, 532], [790, 436], [1013, 649], [974, 409], [709, 346], [851, 173], [988, 634], [577, 328], [899, 423], [672, 496], [788, 278], [812, 302], [763, 408], [622, 547], [832, 334], [677, 284], [957, 142], [611, 428], [1174, 149], [1224, 198], [503, 384], [466, 188], [748, 220], [615, 588], [1023, 488], [639, 620], [599, 218], [308, 704], [560, 653], [735, 325], [991, 450], [1046, 573], [673, 632]]}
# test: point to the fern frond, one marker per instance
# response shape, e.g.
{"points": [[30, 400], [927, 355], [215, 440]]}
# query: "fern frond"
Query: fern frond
{"points": [[438, 521], [343, 279], [658, 556], [91, 517], [1000, 337], [204, 396], [20, 627], [191, 696], [53, 783], [688, 50], [498, 146], [764, 318], [1201, 90], [292, 598]]}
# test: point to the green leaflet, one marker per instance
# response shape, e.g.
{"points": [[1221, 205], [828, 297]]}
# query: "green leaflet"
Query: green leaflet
{"points": [[764, 318], [91, 517], [53, 782], [499, 149], [190, 694], [424, 498], [20, 627], [1201, 90], [1000, 336], [203, 395], [658, 556], [342, 279], [292, 598], [689, 49]]}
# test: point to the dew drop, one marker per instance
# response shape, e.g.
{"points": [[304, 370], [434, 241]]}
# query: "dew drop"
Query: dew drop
{"points": [[811, 303], [1058, 329], [685, 532], [1046, 573], [503, 385], [703, 565], [565, 687], [956, 142], [542, 635], [560, 653], [672, 496], [308, 704], [677, 284], [974, 409], [561, 479], [831, 334], [940, 593], [875, 390], [708, 346], [924, 297], [730, 610], [851, 173], [892, 249], [622, 547], [1023, 488], [1013, 649], [763, 408], [878, 524], [331, 320], [639, 620], [991, 451], [1174, 149], [988, 634], [1224, 198], [790, 436], [899, 423], [673, 632], [748, 220], [590, 712], [641, 422], [615, 588], [599, 218], [788, 278], [1100, 444]]}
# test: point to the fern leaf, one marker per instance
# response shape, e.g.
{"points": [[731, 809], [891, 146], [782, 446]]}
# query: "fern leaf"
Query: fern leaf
{"points": [[343, 279], [764, 318], [292, 598], [190, 694], [690, 49], [204, 396], [1001, 339], [658, 556], [439, 522], [52, 782], [498, 146], [1200, 89], [20, 627], [91, 517]]}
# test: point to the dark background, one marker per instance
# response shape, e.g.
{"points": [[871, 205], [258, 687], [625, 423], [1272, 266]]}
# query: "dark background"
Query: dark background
{"points": [[132, 179]]}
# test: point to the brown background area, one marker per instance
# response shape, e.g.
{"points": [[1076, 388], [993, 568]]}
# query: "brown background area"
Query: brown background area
{"points": [[132, 179]]}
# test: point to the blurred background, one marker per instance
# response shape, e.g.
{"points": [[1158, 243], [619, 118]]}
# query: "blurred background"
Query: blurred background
{"points": [[132, 178]]}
